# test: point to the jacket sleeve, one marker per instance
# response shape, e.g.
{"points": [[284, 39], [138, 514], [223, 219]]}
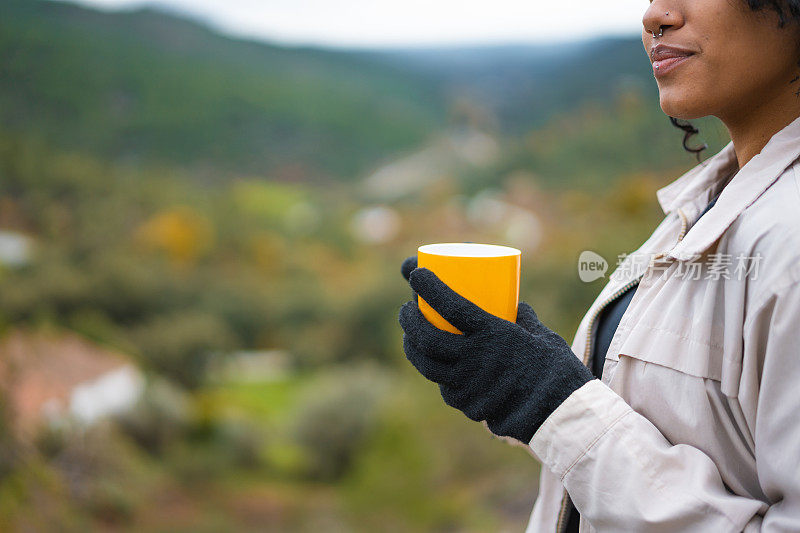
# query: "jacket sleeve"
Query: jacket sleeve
{"points": [[623, 475]]}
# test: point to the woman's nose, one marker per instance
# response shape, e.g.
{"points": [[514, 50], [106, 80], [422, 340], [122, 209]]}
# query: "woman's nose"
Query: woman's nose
{"points": [[659, 17]]}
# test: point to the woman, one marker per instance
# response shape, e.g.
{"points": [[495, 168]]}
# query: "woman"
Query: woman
{"points": [[693, 422]]}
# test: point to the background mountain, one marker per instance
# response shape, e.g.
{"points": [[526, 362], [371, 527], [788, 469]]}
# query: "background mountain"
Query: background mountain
{"points": [[148, 85], [526, 85]]}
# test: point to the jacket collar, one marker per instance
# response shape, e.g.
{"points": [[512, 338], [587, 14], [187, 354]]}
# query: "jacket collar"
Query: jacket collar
{"points": [[689, 193]]}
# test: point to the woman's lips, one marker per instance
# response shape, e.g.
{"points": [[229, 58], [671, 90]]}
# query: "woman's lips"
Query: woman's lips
{"points": [[664, 66], [665, 58]]}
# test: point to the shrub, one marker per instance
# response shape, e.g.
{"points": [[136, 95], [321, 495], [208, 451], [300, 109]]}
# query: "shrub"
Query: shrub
{"points": [[161, 416], [334, 417], [179, 344]]}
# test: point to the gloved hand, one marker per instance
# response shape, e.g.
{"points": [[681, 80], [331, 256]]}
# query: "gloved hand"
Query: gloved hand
{"points": [[408, 265], [513, 375]]}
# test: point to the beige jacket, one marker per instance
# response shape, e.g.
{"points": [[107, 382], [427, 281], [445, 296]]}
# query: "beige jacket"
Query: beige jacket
{"points": [[696, 423]]}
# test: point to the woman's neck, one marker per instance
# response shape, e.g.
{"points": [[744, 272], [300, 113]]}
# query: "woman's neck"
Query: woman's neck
{"points": [[752, 128]]}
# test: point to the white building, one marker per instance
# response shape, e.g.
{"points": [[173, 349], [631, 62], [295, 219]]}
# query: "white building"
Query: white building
{"points": [[54, 377]]}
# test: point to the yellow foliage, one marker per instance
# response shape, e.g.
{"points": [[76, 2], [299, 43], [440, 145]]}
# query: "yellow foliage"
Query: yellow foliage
{"points": [[634, 195], [180, 232]]}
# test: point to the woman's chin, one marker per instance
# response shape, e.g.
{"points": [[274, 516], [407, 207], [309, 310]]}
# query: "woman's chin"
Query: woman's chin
{"points": [[679, 104]]}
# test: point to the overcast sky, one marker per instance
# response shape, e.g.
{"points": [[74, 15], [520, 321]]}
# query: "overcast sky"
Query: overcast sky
{"points": [[370, 23]]}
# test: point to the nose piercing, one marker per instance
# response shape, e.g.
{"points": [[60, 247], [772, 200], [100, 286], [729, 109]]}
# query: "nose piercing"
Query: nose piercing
{"points": [[660, 34], [660, 29]]}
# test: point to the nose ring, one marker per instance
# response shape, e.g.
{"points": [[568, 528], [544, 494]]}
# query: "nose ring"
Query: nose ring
{"points": [[660, 29]]}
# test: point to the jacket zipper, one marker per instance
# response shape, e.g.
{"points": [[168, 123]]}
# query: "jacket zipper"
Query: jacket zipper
{"points": [[562, 514], [565, 499]]}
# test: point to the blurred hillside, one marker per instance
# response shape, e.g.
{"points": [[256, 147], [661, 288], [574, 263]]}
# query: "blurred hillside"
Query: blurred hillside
{"points": [[216, 227], [149, 86], [524, 86]]}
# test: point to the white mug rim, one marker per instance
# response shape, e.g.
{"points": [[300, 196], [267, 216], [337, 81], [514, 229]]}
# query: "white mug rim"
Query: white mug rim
{"points": [[468, 249]]}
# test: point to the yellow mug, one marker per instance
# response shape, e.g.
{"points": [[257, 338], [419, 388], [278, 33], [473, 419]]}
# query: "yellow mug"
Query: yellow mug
{"points": [[485, 274]]}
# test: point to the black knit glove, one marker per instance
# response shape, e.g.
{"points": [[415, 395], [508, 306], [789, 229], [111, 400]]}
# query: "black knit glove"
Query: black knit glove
{"points": [[408, 266], [513, 375]]}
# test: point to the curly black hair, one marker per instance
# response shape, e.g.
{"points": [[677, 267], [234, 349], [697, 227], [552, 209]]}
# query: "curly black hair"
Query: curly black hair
{"points": [[689, 131], [787, 10]]}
